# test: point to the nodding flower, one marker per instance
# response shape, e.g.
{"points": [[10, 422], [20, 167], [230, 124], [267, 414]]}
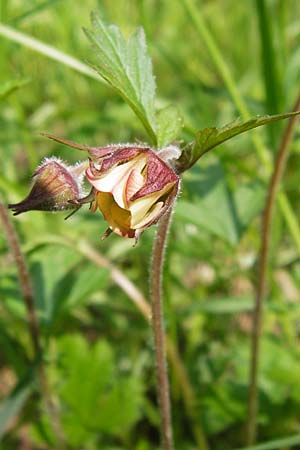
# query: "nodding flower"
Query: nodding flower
{"points": [[133, 189], [132, 185]]}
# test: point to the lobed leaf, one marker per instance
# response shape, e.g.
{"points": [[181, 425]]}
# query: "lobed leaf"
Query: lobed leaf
{"points": [[127, 67], [209, 138]]}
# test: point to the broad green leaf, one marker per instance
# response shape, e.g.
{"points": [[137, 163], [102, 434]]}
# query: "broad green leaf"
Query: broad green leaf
{"points": [[10, 86], [209, 138], [214, 206], [86, 279], [53, 271], [127, 67], [169, 125], [97, 396], [249, 201]]}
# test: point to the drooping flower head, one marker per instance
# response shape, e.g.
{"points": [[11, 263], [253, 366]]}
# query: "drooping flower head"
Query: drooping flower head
{"points": [[133, 188], [131, 185]]}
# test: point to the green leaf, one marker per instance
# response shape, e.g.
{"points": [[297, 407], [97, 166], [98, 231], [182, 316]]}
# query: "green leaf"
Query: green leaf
{"points": [[127, 67], [77, 285], [209, 138], [109, 402], [169, 125], [287, 442], [214, 206], [229, 305], [12, 405], [249, 201], [12, 350], [10, 86]]}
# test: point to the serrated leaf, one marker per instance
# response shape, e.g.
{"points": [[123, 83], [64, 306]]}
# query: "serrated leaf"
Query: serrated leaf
{"points": [[127, 67], [10, 86], [209, 138], [109, 402], [169, 125]]}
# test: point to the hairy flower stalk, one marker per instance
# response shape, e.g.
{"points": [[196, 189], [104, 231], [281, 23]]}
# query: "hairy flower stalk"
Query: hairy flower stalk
{"points": [[156, 276]]}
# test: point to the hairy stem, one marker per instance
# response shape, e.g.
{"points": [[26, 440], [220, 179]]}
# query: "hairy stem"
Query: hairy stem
{"points": [[251, 425], [24, 279], [33, 325], [156, 275]]}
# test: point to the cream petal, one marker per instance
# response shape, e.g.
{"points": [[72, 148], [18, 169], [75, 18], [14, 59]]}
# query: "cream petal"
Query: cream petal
{"points": [[108, 181], [140, 207], [133, 177], [115, 180], [153, 214], [134, 183]]}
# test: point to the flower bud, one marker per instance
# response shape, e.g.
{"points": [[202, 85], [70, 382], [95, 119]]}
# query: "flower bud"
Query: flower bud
{"points": [[133, 188], [56, 187]]}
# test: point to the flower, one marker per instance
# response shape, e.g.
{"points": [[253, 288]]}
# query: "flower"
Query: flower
{"points": [[56, 187], [133, 188], [132, 185]]}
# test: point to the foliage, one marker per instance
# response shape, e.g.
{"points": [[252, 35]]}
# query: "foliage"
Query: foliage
{"points": [[209, 138], [97, 346], [97, 399], [128, 68]]}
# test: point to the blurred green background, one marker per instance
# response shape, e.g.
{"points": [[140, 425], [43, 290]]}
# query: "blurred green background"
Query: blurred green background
{"points": [[98, 347]]}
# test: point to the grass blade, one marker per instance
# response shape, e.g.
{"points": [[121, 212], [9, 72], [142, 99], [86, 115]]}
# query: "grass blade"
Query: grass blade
{"points": [[287, 442], [269, 64], [49, 51]]}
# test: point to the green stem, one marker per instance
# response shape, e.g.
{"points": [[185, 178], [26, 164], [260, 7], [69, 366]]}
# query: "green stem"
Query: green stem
{"points": [[156, 275], [24, 279], [266, 234]]}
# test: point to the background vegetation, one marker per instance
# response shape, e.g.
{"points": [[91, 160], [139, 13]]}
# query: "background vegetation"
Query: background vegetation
{"points": [[98, 348]]}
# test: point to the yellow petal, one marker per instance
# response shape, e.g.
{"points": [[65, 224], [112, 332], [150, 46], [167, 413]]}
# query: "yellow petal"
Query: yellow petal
{"points": [[118, 218], [152, 215], [140, 207]]}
